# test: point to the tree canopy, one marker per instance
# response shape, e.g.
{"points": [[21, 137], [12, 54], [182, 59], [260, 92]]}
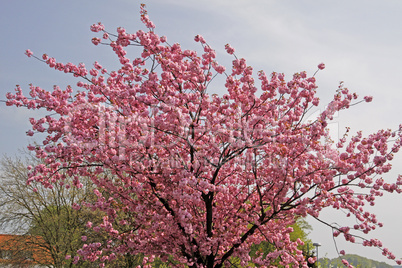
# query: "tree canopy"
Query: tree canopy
{"points": [[202, 177], [355, 260]]}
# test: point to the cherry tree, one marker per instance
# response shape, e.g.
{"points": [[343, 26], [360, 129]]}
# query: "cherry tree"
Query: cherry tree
{"points": [[196, 177]]}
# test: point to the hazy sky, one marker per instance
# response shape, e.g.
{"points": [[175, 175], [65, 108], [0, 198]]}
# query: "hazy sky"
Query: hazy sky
{"points": [[359, 41]]}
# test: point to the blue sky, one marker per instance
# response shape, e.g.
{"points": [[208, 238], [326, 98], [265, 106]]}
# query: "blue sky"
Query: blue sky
{"points": [[359, 41]]}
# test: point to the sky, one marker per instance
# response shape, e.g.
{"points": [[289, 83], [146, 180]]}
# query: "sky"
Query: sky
{"points": [[359, 41]]}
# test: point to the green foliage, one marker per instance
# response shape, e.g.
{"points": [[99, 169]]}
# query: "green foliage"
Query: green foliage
{"points": [[301, 229], [62, 229], [355, 260], [46, 212]]}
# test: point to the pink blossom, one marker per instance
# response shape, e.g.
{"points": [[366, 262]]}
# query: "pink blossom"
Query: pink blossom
{"points": [[321, 66], [76, 259], [96, 41], [368, 98], [199, 38], [28, 53], [230, 50], [97, 27]]}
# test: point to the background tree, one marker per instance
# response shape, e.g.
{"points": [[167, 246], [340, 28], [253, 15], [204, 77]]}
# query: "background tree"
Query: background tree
{"points": [[44, 214], [51, 218], [355, 260], [202, 177], [301, 229]]}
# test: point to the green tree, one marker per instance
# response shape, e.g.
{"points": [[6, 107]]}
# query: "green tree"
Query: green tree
{"points": [[301, 229], [46, 212], [355, 260]]}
